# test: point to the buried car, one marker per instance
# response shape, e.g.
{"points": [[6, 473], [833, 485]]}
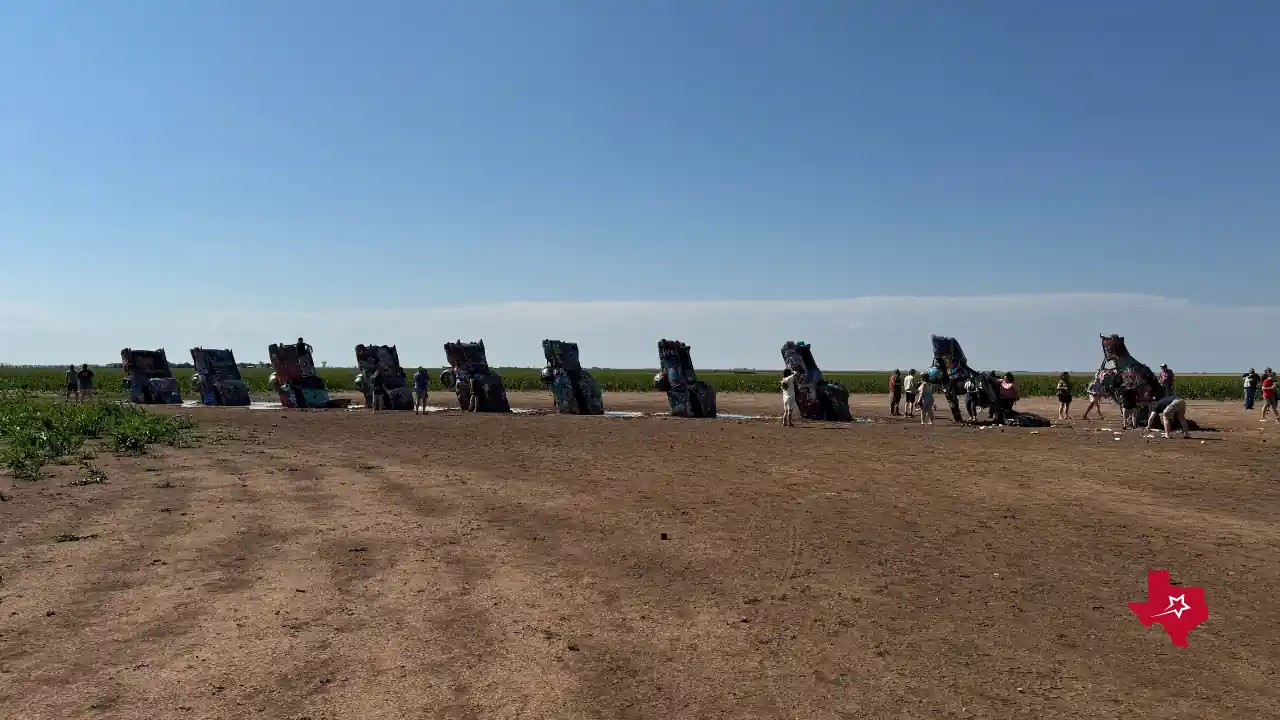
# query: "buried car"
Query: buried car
{"points": [[218, 378], [574, 389], [296, 380], [817, 397], [469, 373], [687, 395], [384, 359], [149, 377]]}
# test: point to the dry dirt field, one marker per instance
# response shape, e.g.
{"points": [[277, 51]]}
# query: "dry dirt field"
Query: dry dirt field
{"points": [[341, 565]]}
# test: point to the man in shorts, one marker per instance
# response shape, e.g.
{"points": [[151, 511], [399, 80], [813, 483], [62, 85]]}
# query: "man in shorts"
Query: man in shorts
{"points": [[84, 380], [1172, 410], [73, 384], [909, 388], [420, 382]]}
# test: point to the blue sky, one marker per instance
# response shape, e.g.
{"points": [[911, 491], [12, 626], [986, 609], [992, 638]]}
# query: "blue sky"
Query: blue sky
{"points": [[411, 172]]}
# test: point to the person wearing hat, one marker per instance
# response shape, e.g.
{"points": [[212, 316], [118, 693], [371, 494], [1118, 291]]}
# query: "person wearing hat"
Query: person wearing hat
{"points": [[1166, 379], [1251, 382]]}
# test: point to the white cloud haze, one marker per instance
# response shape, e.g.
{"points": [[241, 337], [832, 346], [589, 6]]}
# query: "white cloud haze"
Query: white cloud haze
{"points": [[1006, 332]]}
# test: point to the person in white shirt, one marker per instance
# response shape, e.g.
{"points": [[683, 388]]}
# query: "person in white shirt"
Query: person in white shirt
{"points": [[788, 398], [909, 389]]}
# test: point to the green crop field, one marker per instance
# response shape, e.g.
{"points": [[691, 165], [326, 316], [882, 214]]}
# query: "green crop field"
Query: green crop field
{"points": [[107, 381]]}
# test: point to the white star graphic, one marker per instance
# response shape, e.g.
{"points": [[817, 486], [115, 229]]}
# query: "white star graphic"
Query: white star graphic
{"points": [[1175, 610]]}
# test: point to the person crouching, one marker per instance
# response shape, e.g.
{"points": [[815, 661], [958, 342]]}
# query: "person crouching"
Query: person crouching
{"points": [[1171, 410]]}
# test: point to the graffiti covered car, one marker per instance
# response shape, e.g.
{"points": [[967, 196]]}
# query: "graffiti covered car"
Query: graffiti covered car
{"points": [[469, 369], [298, 384], [384, 359], [150, 378], [574, 389], [219, 377], [687, 395], [817, 397]]}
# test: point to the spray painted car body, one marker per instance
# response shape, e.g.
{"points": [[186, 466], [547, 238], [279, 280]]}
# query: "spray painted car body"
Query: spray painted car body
{"points": [[574, 389], [149, 377], [468, 366], [220, 380], [686, 394], [817, 397], [300, 386], [384, 358]]}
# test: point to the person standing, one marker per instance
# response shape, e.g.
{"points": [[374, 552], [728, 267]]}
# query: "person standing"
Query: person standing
{"points": [[895, 392], [1064, 396], [379, 383], [909, 387], [1269, 395], [420, 382], [1251, 381], [84, 380], [73, 384], [971, 391], [788, 398], [1166, 379], [926, 402], [1129, 408]]}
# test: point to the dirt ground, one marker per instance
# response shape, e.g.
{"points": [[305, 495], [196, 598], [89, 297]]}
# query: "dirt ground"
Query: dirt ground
{"points": [[338, 565]]}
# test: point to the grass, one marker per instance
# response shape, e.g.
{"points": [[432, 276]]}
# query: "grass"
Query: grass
{"points": [[92, 476], [35, 431], [50, 380]]}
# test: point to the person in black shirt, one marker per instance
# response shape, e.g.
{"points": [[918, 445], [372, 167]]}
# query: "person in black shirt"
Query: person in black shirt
{"points": [[1129, 407], [85, 379]]}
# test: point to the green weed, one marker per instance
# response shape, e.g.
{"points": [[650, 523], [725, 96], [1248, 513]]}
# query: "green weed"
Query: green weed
{"points": [[34, 431], [72, 537], [92, 476]]}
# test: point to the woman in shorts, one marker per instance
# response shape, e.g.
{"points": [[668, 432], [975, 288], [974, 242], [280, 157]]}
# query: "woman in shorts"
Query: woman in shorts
{"points": [[1064, 397], [1269, 395]]}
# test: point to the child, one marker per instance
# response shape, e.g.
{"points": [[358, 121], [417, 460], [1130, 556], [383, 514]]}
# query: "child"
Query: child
{"points": [[1064, 397], [788, 398], [909, 388], [926, 403], [1269, 395]]}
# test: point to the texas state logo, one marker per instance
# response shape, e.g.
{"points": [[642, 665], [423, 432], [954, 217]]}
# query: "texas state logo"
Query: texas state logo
{"points": [[1179, 609]]}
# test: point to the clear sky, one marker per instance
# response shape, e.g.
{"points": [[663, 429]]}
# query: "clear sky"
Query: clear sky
{"points": [[235, 172]]}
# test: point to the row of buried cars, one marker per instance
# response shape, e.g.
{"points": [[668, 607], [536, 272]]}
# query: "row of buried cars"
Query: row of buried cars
{"points": [[149, 379]]}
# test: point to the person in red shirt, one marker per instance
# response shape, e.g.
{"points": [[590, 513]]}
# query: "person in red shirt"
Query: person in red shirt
{"points": [[895, 392], [1269, 395]]}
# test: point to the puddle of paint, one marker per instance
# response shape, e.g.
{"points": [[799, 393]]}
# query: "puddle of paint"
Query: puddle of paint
{"points": [[253, 405]]}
